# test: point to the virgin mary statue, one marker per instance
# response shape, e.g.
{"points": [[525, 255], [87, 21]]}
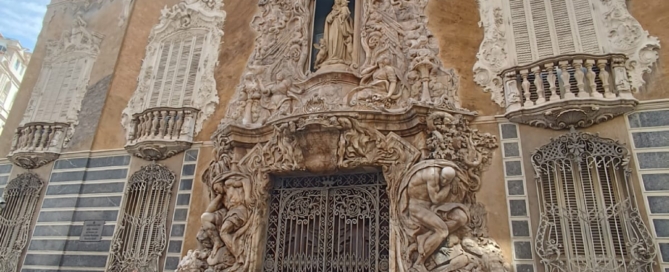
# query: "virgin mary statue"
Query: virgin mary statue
{"points": [[336, 46]]}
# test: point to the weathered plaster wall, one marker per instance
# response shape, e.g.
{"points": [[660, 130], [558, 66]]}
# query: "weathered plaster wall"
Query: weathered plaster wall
{"points": [[455, 26]]}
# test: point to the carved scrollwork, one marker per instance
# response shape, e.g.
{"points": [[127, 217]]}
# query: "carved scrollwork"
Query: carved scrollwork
{"points": [[401, 66], [326, 143]]}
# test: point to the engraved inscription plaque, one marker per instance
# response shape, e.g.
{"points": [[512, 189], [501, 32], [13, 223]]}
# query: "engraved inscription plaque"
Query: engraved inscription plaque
{"points": [[92, 231]]}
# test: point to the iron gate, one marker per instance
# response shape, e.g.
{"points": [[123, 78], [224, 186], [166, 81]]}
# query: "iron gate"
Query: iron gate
{"points": [[328, 223]]}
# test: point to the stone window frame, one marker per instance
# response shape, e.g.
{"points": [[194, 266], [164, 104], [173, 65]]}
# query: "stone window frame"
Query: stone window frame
{"points": [[617, 32]]}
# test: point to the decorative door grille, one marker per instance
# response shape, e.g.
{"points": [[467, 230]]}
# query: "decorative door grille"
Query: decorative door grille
{"points": [[328, 223]]}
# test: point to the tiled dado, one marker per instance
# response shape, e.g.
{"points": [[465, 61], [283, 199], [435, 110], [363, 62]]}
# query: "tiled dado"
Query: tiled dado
{"points": [[79, 189], [178, 228], [516, 195], [649, 136]]}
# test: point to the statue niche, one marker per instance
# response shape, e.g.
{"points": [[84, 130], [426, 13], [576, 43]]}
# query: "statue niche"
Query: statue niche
{"points": [[335, 48]]}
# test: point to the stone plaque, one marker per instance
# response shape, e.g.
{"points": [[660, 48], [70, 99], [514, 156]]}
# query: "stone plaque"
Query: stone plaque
{"points": [[92, 231]]}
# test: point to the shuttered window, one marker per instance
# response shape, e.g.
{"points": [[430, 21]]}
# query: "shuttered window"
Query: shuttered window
{"points": [[589, 221], [175, 74], [60, 84], [546, 28]]}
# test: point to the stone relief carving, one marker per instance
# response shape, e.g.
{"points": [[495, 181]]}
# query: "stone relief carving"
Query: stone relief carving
{"points": [[626, 35], [437, 223], [166, 130], [398, 64], [623, 32], [21, 195], [492, 57]]}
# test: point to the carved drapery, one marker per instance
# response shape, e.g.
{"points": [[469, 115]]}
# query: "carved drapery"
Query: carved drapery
{"points": [[400, 65], [140, 238], [589, 219], [619, 32], [447, 174], [21, 194], [53, 110], [176, 90]]}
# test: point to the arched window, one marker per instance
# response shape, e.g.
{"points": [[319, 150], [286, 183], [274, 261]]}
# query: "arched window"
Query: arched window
{"points": [[589, 218], [140, 237], [21, 195]]}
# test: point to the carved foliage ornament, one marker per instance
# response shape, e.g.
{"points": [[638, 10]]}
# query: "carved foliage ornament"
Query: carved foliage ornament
{"points": [[398, 64], [186, 21], [131, 248], [437, 225], [623, 32], [21, 194]]}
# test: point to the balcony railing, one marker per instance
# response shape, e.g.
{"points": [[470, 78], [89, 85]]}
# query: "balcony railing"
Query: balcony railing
{"points": [[573, 90], [159, 133], [36, 144]]}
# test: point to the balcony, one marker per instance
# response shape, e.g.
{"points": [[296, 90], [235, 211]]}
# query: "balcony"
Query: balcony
{"points": [[565, 91], [36, 144], [159, 133]]}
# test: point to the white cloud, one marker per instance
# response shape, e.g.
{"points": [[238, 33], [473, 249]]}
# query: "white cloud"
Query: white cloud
{"points": [[22, 20]]}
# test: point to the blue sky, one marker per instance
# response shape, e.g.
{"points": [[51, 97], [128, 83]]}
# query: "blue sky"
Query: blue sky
{"points": [[22, 20]]}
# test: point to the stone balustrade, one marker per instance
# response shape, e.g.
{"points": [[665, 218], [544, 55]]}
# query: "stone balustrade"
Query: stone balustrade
{"points": [[159, 133], [36, 144], [571, 90]]}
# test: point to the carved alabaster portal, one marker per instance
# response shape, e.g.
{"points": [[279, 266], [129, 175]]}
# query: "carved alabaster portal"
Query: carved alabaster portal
{"points": [[435, 222], [384, 60]]}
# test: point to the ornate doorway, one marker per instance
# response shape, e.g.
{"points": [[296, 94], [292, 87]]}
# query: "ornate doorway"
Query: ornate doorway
{"points": [[328, 223]]}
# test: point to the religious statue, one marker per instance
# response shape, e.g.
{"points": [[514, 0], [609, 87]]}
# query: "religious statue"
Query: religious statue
{"points": [[378, 83], [337, 41]]}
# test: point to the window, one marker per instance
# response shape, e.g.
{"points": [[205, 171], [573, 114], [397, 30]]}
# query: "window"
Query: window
{"points": [[18, 66], [543, 29], [140, 239], [589, 219], [4, 94], [22, 195], [175, 75], [328, 223], [62, 85]]}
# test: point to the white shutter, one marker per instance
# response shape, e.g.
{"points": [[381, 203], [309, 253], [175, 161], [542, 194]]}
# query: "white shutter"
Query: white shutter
{"points": [[520, 31], [182, 66], [176, 72], [542, 30], [193, 70], [586, 27], [561, 20]]}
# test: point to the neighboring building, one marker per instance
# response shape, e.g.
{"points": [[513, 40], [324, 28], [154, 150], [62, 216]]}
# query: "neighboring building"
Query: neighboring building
{"points": [[14, 60], [335, 135]]}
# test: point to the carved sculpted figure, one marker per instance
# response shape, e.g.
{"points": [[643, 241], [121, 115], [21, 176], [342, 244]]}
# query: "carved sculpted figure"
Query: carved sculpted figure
{"points": [[338, 36], [225, 220], [432, 206]]}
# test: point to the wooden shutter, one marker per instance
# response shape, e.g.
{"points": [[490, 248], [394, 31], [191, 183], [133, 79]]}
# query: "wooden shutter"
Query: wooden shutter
{"points": [[542, 31], [570, 203], [563, 31], [176, 72], [550, 188], [586, 27], [520, 31]]}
